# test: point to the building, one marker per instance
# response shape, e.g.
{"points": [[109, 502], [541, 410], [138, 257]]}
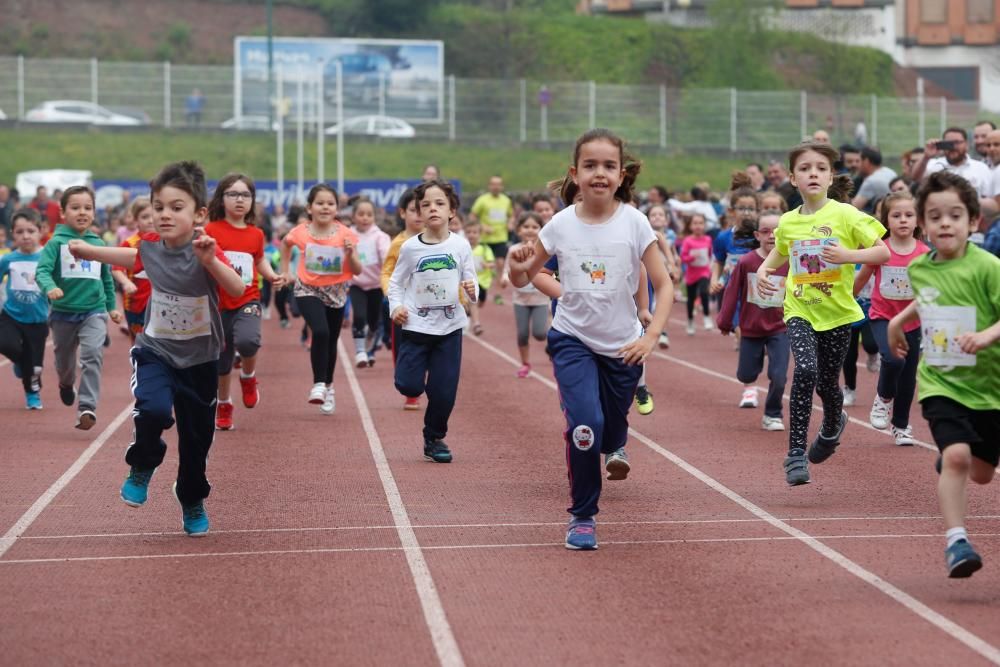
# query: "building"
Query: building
{"points": [[953, 43]]}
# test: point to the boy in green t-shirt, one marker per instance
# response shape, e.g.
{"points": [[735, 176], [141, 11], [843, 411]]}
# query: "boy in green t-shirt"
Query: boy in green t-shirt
{"points": [[485, 263], [495, 212], [957, 289]]}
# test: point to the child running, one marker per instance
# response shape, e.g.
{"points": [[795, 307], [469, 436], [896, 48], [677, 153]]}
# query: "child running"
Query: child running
{"points": [[485, 263], [175, 358], [135, 288], [695, 253], [596, 341], [760, 320], [957, 288], [891, 294], [433, 267], [531, 307], [366, 290], [82, 293], [24, 319], [823, 238], [666, 238], [327, 264], [233, 215]]}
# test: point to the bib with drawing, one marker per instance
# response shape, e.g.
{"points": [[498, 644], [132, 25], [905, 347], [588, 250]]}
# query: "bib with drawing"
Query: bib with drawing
{"points": [[71, 267], [367, 253], [243, 264], [941, 326], [807, 264], [436, 288], [324, 260], [173, 317], [597, 268], [22, 277], [895, 283], [776, 300]]}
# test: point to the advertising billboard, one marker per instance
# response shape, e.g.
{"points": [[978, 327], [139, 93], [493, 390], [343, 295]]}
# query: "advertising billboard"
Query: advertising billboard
{"points": [[389, 77]]}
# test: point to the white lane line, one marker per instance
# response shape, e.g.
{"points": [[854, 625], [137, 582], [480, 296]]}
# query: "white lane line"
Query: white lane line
{"points": [[444, 641], [11, 536], [6, 362], [940, 621], [462, 547], [526, 524]]}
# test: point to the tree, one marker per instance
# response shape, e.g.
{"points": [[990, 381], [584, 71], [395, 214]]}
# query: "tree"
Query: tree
{"points": [[739, 33]]}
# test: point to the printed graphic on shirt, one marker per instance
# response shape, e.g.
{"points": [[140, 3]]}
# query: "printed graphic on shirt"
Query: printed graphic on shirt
{"points": [[367, 253], [732, 259], [173, 317], [895, 283], [22, 277], [583, 437], [699, 257], [776, 300], [498, 215], [435, 285], [808, 266], [71, 267], [596, 268], [324, 260], [243, 264]]}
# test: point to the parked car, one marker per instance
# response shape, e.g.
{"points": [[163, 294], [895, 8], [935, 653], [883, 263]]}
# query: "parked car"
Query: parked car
{"points": [[376, 126], [3, 116], [75, 111], [249, 122], [132, 112]]}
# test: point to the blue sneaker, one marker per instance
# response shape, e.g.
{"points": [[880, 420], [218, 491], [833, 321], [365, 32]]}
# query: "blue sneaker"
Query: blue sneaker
{"points": [[195, 517], [136, 487], [962, 560], [582, 535], [33, 401]]}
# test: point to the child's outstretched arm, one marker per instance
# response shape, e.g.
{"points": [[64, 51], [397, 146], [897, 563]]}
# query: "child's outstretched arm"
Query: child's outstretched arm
{"points": [[774, 261], [877, 253], [637, 351], [974, 342], [735, 289], [862, 277], [547, 284], [525, 260], [114, 256], [265, 269], [897, 339]]}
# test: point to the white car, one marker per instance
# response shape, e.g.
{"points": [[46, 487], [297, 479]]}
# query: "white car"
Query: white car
{"points": [[376, 126], [249, 122], [3, 116], [75, 111]]}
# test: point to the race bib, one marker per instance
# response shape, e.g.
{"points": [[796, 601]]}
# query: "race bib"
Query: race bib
{"points": [[868, 289], [367, 253], [436, 288], [595, 268], [941, 326], [243, 264], [71, 267], [173, 317], [776, 300], [699, 257], [808, 266], [22, 277], [497, 215], [324, 260], [895, 283]]}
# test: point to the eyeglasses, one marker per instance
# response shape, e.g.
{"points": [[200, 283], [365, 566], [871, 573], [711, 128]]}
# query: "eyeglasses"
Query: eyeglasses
{"points": [[233, 194]]}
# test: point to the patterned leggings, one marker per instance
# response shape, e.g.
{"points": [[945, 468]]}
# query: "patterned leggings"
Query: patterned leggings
{"points": [[819, 356]]}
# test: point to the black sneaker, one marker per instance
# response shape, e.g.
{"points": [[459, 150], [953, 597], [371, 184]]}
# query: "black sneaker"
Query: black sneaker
{"points": [[823, 447], [67, 395], [796, 468], [937, 464], [437, 451]]}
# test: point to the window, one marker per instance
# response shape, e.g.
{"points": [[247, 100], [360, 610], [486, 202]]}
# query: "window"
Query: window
{"points": [[933, 11], [979, 11]]}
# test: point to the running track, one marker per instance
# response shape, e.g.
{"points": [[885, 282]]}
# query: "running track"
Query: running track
{"points": [[333, 542]]}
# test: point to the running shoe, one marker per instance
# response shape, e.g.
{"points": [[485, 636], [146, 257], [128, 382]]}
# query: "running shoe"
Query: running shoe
{"points": [[498, 300], [796, 467], [903, 436], [361, 359], [411, 403], [616, 465], [824, 446], [224, 416], [643, 400], [879, 416], [85, 420], [437, 451], [318, 393], [194, 517], [850, 397], [772, 423], [371, 359], [524, 371], [67, 395], [329, 402], [136, 487], [251, 391], [749, 398], [708, 324], [32, 400], [874, 363], [690, 328], [962, 560], [664, 341], [284, 323], [581, 534]]}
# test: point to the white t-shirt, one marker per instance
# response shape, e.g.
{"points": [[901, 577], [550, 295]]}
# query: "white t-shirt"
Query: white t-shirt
{"points": [[995, 173], [705, 208], [974, 171], [427, 281], [599, 273]]}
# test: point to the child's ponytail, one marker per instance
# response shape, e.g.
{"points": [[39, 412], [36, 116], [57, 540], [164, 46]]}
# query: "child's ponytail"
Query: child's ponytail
{"points": [[841, 188]]}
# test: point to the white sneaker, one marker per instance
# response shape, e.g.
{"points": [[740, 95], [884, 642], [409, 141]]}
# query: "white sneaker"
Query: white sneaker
{"points": [[664, 341], [874, 363], [267, 313], [850, 397], [749, 398], [708, 324], [879, 416], [903, 436], [329, 402], [690, 328], [317, 394], [361, 360], [772, 423]]}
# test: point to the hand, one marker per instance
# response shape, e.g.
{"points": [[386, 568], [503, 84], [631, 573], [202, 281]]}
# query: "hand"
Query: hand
{"points": [[278, 281], [931, 149], [645, 317], [54, 294], [675, 274], [204, 249], [116, 316], [765, 287], [348, 247], [504, 282], [287, 280], [834, 253], [897, 340], [78, 248], [724, 332], [129, 288], [970, 343], [637, 351], [471, 289], [399, 316], [716, 287], [519, 257]]}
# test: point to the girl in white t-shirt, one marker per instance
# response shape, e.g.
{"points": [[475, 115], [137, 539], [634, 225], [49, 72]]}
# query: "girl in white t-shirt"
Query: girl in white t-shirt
{"points": [[531, 307], [596, 341], [366, 288]]}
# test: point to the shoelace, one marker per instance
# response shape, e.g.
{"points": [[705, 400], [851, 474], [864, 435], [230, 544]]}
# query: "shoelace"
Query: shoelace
{"points": [[194, 512], [141, 478], [582, 529]]}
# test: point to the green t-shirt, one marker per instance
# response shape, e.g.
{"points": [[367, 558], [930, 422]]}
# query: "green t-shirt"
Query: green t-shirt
{"points": [[821, 293], [483, 258], [493, 212], [953, 297]]}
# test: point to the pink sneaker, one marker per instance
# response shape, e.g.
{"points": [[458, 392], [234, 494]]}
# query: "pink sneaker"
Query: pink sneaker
{"points": [[524, 371]]}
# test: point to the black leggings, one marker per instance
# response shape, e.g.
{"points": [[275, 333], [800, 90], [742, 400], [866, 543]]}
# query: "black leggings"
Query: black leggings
{"points": [[366, 305], [700, 289], [24, 345], [864, 332], [324, 322], [819, 356]]}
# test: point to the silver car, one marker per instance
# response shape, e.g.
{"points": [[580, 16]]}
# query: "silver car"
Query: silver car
{"points": [[76, 111]]}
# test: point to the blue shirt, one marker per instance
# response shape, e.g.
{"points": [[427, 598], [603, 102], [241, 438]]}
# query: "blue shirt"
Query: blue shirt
{"points": [[25, 301], [728, 250]]}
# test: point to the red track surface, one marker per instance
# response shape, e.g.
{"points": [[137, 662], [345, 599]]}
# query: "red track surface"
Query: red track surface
{"points": [[333, 542]]}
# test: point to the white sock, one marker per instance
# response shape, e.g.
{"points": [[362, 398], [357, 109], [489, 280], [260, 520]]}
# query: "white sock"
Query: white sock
{"points": [[228, 400], [956, 534], [245, 376]]}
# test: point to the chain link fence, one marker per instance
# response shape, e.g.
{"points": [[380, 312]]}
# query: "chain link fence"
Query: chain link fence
{"points": [[502, 112]]}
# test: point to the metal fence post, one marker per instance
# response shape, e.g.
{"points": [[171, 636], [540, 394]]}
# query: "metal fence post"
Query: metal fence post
{"points": [[320, 130], [921, 111], [280, 148], [524, 111], [593, 104], [803, 114], [874, 141], [732, 120], [166, 93], [93, 81], [944, 114], [663, 116], [451, 111], [20, 87]]}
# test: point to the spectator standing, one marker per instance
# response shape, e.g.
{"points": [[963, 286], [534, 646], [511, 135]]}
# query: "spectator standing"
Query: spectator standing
{"points": [[777, 176], [953, 156], [49, 208], [7, 204], [194, 105], [876, 180], [981, 130]]}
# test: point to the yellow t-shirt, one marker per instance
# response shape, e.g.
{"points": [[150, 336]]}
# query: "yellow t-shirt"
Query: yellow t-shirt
{"points": [[391, 257], [493, 212], [822, 293]]}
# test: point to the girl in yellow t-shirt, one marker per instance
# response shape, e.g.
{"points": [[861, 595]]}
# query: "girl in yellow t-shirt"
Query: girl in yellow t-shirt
{"points": [[823, 239]]}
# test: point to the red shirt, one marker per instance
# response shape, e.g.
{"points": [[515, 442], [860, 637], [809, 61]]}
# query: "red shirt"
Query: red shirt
{"points": [[757, 319], [892, 292], [135, 303], [244, 248], [51, 211]]}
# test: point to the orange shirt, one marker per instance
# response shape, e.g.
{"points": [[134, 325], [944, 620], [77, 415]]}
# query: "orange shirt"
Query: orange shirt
{"points": [[322, 262], [135, 303], [243, 247]]}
